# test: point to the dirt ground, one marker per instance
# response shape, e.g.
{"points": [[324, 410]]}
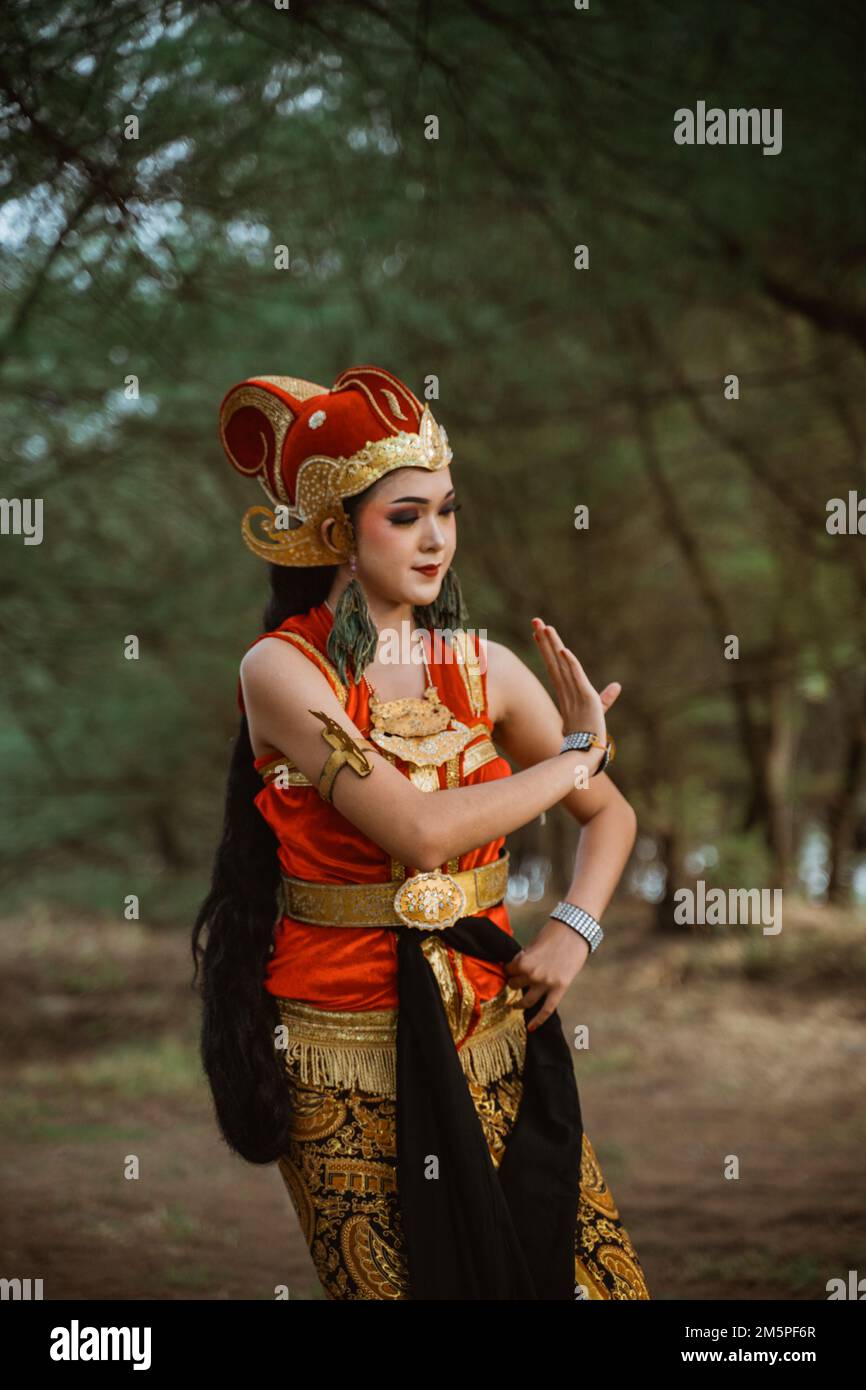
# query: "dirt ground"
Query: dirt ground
{"points": [[702, 1050]]}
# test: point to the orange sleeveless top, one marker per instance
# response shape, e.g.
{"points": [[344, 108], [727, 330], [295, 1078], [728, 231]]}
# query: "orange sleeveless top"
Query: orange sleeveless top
{"points": [[356, 968]]}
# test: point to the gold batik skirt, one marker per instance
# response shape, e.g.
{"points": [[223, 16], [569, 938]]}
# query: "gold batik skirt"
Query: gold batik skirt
{"points": [[340, 1168]]}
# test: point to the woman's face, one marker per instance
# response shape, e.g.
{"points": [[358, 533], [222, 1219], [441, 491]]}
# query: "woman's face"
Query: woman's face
{"points": [[408, 522]]}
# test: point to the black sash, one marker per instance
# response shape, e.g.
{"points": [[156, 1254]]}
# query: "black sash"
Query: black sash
{"points": [[473, 1232]]}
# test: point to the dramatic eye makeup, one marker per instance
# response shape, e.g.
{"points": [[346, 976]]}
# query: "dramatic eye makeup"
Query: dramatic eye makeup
{"points": [[405, 517]]}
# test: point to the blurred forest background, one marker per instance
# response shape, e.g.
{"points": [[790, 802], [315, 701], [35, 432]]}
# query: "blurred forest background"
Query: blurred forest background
{"points": [[146, 250], [154, 257]]}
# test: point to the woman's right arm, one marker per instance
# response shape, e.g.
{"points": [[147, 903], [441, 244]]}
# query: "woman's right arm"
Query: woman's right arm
{"points": [[282, 687]]}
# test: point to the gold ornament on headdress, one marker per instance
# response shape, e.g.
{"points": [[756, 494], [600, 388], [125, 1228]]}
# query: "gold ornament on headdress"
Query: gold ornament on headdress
{"points": [[279, 416], [291, 535]]}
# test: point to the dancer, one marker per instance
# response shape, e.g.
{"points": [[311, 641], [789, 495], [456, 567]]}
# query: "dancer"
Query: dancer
{"points": [[369, 1021]]}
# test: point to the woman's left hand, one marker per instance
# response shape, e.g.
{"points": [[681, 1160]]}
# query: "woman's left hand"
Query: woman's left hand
{"points": [[547, 966]]}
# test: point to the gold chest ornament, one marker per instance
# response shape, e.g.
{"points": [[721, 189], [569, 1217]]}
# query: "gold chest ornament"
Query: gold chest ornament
{"points": [[420, 729]]}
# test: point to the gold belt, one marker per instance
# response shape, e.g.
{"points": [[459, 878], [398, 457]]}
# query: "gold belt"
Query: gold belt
{"points": [[429, 901]]}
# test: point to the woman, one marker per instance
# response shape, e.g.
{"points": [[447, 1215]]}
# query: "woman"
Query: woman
{"points": [[385, 1039]]}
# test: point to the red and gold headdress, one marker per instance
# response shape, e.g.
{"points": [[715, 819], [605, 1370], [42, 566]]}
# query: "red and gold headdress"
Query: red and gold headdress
{"points": [[309, 447]]}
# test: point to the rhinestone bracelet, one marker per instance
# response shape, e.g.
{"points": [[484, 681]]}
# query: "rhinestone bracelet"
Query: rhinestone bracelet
{"points": [[579, 742], [580, 921]]}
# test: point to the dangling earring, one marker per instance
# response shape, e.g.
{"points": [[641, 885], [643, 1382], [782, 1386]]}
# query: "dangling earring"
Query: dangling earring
{"points": [[448, 609], [354, 636]]}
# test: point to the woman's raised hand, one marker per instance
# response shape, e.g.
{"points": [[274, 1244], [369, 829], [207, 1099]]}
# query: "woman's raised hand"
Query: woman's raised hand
{"points": [[580, 704]]}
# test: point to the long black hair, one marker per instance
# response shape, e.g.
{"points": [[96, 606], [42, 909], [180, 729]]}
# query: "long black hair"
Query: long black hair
{"points": [[245, 1071]]}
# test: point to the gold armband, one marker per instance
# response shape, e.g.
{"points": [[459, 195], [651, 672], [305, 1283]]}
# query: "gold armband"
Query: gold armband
{"points": [[346, 751]]}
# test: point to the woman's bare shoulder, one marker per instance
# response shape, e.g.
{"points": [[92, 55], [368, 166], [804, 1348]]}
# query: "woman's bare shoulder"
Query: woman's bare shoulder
{"points": [[264, 657], [271, 659]]}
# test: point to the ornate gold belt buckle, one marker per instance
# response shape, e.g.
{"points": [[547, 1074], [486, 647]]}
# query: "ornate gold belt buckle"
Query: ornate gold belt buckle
{"points": [[430, 901]]}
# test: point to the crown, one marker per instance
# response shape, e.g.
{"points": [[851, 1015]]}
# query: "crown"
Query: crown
{"points": [[268, 423]]}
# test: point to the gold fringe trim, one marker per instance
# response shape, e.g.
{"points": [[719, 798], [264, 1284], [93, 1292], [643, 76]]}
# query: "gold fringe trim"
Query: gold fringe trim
{"points": [[357, 1051], [353, 1050], [489, 1055]]}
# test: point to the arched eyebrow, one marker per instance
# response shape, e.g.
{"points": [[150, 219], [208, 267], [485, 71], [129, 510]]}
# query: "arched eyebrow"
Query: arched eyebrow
{"points": [[422, 500]]}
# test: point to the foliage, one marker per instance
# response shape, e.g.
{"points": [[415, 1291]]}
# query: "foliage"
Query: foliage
{"points": [[154, 258]]}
